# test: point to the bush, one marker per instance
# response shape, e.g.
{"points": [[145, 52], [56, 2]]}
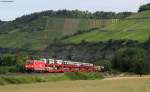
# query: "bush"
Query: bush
{"points": [[7, 69], [130, 60], [76, 76], [20, 80], [3, 70], [2, 82], [83, 76], [106, 63], [40, 79], [12, 63]]}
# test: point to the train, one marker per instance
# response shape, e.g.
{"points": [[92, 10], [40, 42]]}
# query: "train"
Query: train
{"points": [[59, 66]]}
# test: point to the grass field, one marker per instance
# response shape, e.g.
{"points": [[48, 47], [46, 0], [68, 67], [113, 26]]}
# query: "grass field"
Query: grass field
{"points": [[135, 84], [7, 79]]}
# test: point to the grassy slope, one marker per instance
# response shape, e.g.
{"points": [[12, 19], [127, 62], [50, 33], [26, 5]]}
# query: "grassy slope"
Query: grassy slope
{"points": [[124, 29], [54, 28]]}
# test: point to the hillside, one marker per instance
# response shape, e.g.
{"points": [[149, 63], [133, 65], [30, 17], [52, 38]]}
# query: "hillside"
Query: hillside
{"points": [[1, 22], [40, 32], [135, 27]]}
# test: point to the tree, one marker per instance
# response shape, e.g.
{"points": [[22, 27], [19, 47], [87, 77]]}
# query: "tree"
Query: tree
{"points": [[12, 60], [7, 60], [144, 7], [1, 22], [106, 63], [20, 59], [121, 15], [130, 60]]}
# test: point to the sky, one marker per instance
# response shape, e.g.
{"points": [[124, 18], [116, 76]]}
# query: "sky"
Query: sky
{"points": [[12, 10]]}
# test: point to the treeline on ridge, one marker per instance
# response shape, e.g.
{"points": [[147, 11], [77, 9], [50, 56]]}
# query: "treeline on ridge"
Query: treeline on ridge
{"points": [[37, 21], [144, 7], [75, 14]]}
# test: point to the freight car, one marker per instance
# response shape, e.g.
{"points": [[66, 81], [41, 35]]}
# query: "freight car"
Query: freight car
{"points": [[58, 66]]}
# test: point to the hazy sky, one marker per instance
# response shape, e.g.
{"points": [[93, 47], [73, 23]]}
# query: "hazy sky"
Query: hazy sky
{"points": [[9, 11]]}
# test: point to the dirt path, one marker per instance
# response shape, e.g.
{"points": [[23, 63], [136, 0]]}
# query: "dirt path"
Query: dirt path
{"points": [[128, 77]]}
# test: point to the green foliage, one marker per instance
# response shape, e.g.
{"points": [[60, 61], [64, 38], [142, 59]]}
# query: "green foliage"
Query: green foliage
{"points": [[144, 7], [7, 60], [131, 28], [8, 69], [36, 79], [4, 70], [38, 30], [79, 32], [38, 25], [106, 63], [12, 63], [2, 82], [12, 59], [21, 79], [20, 61], [98, 35], [83, 76], [73, 14], [124, 14], [36, 34], [2, 22], [130, 60], [111, 15], [76, 76]]}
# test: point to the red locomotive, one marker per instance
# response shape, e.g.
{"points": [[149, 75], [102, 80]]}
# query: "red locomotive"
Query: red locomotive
{"points": [[58, 66]]}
